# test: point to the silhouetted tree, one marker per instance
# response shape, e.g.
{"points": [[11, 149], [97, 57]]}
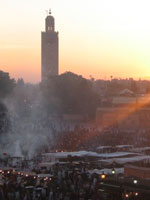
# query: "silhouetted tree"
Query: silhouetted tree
{"points": [[4, 120], [6, 84], [20, 82], [6, 87], [69, 94]]}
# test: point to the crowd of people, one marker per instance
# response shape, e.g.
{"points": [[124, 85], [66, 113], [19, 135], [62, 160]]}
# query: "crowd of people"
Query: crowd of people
{"points": [[65, 182], [62, 183], [83, 138]]}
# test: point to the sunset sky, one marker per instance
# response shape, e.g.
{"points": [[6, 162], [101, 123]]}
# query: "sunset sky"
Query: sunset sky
{"points": [[96, 37]]}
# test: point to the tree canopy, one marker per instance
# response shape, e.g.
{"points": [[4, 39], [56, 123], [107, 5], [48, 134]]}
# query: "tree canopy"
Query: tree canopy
{"points": [[6, 84], [69, 94]]}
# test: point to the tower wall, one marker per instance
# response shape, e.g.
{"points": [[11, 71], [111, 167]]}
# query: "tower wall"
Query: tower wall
{"points": [[49, 50]]}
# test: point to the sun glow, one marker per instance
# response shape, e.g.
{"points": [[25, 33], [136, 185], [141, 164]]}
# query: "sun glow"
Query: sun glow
{"points": [[98, 38]]}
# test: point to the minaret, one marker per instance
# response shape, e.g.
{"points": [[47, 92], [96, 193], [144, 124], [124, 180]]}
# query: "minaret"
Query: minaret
{"points": [[50, 49]]}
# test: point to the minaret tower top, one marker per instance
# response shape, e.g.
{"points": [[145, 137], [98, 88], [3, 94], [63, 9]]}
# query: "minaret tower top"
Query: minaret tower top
{"points": [[50, 23], [49, 49]]}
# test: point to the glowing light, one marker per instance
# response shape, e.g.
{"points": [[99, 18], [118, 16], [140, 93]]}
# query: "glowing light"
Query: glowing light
{"points": [[103, 176], [135, 181], [113, 171], [136, 194], [129, 110]]}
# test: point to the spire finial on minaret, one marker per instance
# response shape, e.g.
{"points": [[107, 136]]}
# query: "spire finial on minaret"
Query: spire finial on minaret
{"points": [[50, 12]]}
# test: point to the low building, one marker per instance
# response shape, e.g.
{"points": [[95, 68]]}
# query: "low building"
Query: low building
{"points": [[126, 113], [136, 171]]}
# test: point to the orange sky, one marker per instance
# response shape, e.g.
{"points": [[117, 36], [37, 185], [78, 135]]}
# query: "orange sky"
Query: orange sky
{"points": [[98, 38]]}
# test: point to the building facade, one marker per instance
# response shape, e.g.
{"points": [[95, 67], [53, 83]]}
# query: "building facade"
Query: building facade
{"points": [[49, 49], [135, 171], [125, 113]]}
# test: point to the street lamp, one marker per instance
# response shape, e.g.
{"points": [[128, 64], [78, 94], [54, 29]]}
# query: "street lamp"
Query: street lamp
{"points": [[126, 195], [136, 194], [103, 176], [113, 171], [135, 181]]}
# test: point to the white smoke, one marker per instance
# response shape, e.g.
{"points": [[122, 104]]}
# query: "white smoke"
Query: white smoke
{"points": [[30, 129]]}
